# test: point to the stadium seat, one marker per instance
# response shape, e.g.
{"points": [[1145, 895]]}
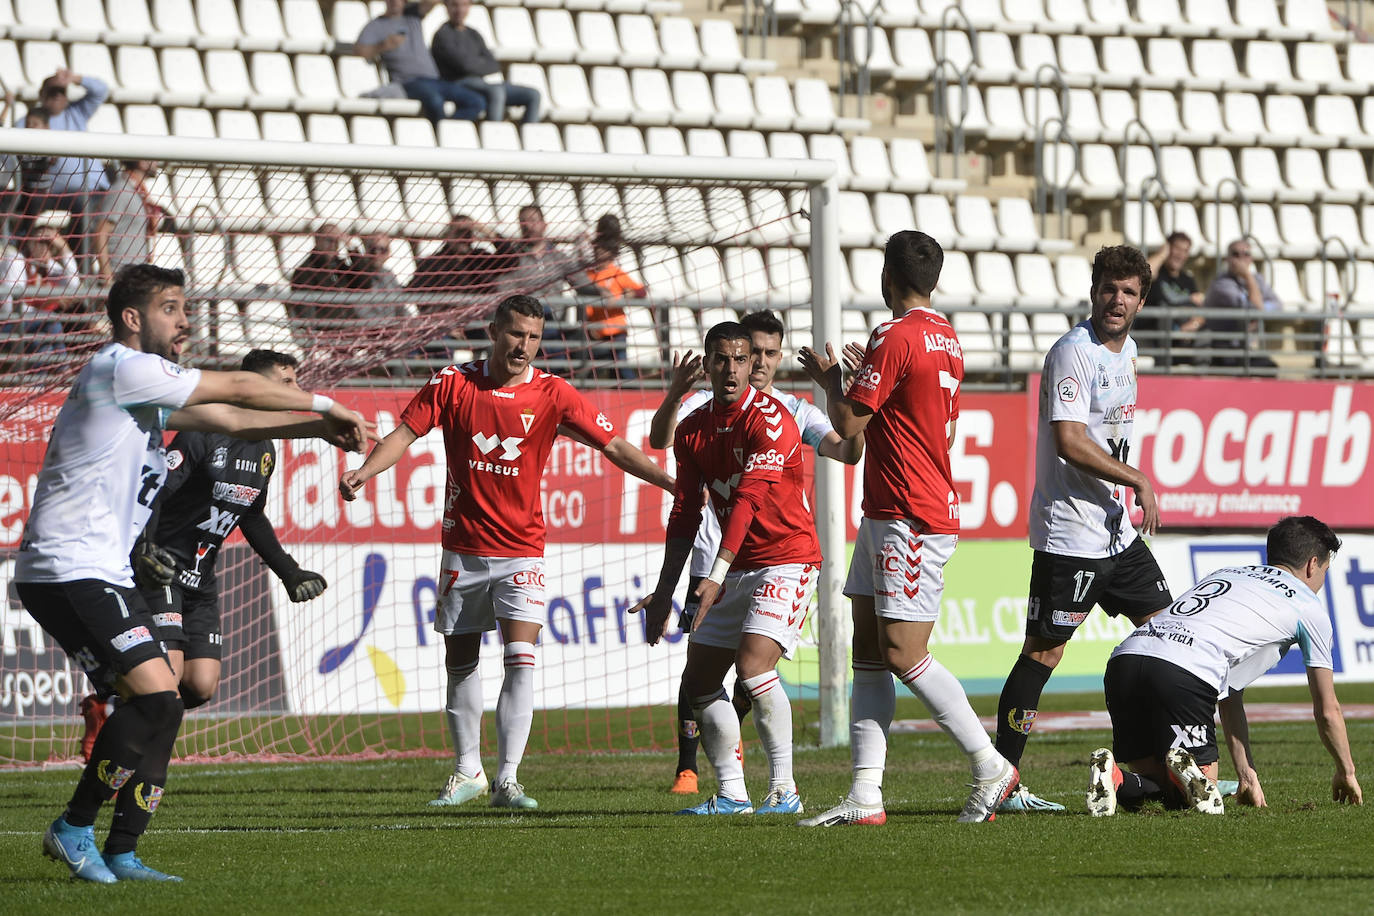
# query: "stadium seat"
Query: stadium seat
{"points": [[326, 128], [975, 223], [555, 37], [981, 352], [514, 34], [652, 97], [624, 141], [913, 59], [693, 105], [1178, 168], [584, 138], [424, 199], [542, 137], [186, 84], [773, 102], [1268, 61], [1214, 68], [193, 122], [681, 50], [734, 102], [664, 141], [1335, 116], [746, 276], [1201, 113], [611, 100], [1073, 274], [789, 276], [1215, 16], [282, 126], [597, 40], [145, 120], [1298, 227], [706, 141], [638, 41], [1317, 63], [303, 25], [1035, 279], [879, 59]]}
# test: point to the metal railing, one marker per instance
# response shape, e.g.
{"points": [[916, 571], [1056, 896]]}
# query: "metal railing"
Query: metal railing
{"points": [[948, 131]]}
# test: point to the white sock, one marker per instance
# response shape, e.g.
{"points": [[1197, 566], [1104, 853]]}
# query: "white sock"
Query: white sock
{"points": [[872, 705], [514, 708], [948, 704], [719, 725], [464, 715], [773, 719]]}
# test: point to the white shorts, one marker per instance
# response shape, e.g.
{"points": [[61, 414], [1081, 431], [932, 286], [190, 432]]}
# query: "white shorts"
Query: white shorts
{"points": [[475, 591], [900, 567], [771, 602]]}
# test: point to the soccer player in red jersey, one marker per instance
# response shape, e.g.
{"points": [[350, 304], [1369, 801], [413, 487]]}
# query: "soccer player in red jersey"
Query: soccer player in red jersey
{"points": [[499, 417], [905, 398], [745, 449]]}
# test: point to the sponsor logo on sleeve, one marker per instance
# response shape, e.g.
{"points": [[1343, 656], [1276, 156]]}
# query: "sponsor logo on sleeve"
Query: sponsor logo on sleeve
{"points": [[265, 464], [1068, 618], [1068, 389], [869, 378], [174, 459], [220, 457], [771, 460]]}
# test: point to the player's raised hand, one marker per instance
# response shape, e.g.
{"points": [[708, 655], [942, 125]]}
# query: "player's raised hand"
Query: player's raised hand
{"points": [[656, 611], [1145, 498], [1346, 789], [347, 429], [823, 369], [349, 485], [687, 371], [853, 356]]}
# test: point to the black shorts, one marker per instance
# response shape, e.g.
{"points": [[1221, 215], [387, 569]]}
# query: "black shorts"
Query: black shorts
{"points": [[187, 620], [1156, 705], [106, 629], [1063, 590]]}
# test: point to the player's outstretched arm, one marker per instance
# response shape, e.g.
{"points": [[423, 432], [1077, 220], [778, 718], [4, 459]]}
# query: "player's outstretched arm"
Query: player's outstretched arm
{"points": [[301, 584], [1326, 709], [239, 404], [1237, 729], [1073, 445], [632, 461], [848, 450], [849, 418], [659, 605], [687, 372], [383, 457]]}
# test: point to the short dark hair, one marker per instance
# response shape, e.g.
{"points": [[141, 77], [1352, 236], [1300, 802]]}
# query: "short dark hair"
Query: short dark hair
{"points": [[726, 330], [134, 287], [1298, 538], [39, 113], [1117, 262], [1179, 236], [517, 305], [912, 261], [260, 360], [762, 320]]}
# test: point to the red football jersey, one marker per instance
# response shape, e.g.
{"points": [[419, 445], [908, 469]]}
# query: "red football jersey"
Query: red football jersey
{"points": [[749, 456], [910, 379], [497, 441]]}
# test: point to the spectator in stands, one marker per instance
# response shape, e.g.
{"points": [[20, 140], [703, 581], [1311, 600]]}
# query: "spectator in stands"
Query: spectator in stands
{"points": [[125, 219], [72, 180], [321, 270], [542, 267], [50, 265], [462, 56], [397, 40], [1240, 287], [607, 323], [459, 266], [1173, 288]]}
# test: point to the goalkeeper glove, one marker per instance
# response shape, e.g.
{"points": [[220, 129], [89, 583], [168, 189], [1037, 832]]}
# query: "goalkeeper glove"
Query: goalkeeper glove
{"points": [[153, 565], [302, 585]]}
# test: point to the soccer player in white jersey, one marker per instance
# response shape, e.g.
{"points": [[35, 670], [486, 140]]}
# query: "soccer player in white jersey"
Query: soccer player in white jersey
{"points": [[905, 396], [104, 465], [766, 335], [1166, 679], [499, 418], [744, 449], [1086, 551]]}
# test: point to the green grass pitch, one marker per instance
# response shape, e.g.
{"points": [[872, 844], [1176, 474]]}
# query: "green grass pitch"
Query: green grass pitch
{"points": [[357, 837]]}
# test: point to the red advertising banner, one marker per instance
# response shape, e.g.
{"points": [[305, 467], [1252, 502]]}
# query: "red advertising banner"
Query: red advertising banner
{"points": [[584, 498], [1240, 453]]}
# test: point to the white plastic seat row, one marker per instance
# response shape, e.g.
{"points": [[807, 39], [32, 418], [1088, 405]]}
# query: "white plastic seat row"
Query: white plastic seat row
{"points": [[288, 25]]}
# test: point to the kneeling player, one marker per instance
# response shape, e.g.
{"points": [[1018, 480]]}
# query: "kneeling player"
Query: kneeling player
{"points": [[1164, 680], [744, 447]]}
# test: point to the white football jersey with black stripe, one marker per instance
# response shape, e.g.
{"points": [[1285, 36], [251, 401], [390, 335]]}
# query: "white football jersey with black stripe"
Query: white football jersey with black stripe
{"points": [[1074, 513], [1235, 625], [104, 464]]}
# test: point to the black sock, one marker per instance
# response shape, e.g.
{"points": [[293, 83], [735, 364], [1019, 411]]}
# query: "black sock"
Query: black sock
{"points": [[127, 736], [741, 701], [1017, 706], [139, 798], [1135, 790], [688, 732]]}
